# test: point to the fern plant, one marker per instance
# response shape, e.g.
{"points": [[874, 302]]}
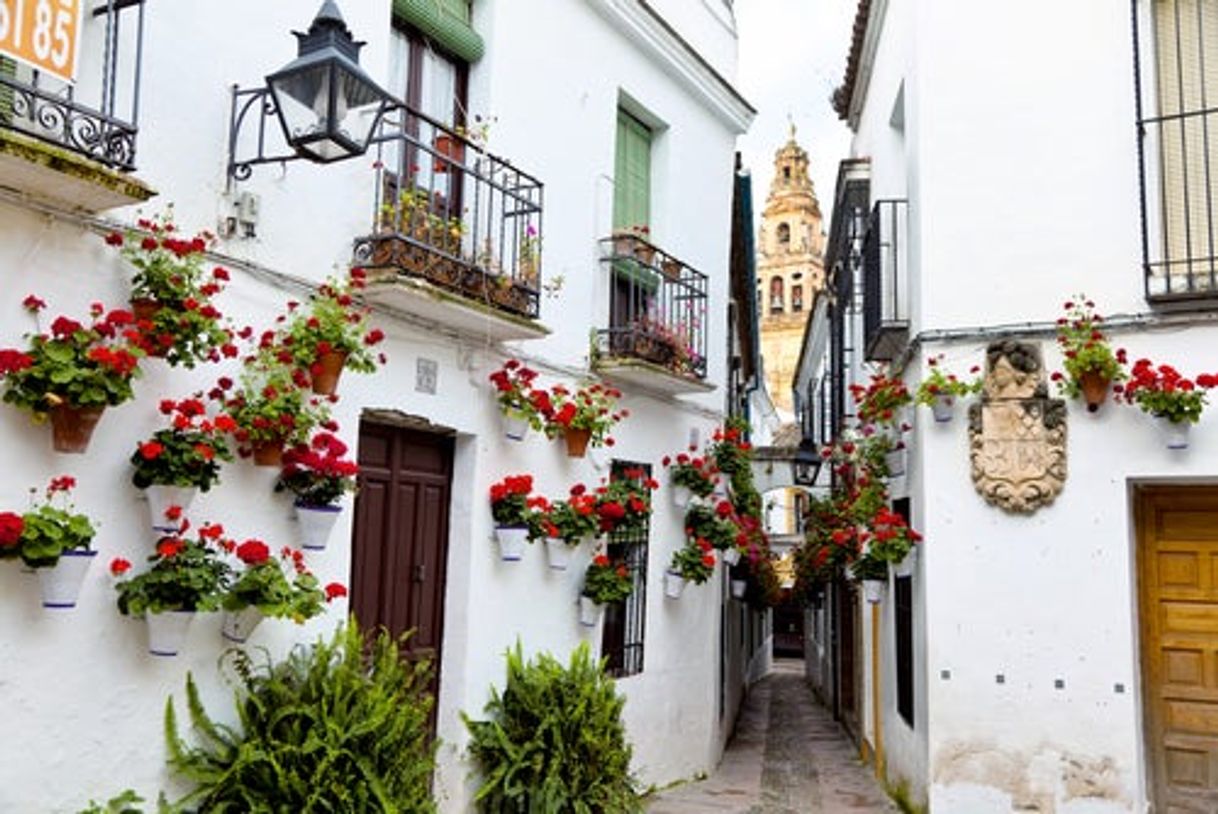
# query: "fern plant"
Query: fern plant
{"points": [[554, 740], [340, 727]]}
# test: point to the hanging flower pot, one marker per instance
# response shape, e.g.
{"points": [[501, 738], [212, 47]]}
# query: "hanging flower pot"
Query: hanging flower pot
{"points": [[316, 523], [167, 631], [681, 496], [589, 612], [577, 441], [161, 497], [145, 309], [1094, 387], [515, 428], [674, 584], [943, 408], [61, 584], [738, 586], [72, 427], [511, 541], [873, 590], [326, 371], [447, 147], [1175, 433], [238, 625], [268, 453], [558, 553], [730, 555]]}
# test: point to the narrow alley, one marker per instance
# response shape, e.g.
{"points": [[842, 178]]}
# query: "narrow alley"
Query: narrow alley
{"points": [[788, 756]]}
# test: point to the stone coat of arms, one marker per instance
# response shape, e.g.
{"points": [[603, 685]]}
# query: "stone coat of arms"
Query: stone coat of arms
{"points": [[1017, 434]]}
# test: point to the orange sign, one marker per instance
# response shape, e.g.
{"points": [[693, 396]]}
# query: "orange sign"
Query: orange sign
{"points": [[43, 34]]}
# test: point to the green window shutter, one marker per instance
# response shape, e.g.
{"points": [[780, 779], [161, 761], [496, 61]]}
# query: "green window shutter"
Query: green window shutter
{"points": [[445, 22], [8, 69], [632, 173]]}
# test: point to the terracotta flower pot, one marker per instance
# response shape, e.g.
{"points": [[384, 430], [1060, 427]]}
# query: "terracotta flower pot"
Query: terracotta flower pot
{"points": [[72, 427], [268, 453], [327, 369], [577, 441], [145, 308], [1095, 389]]}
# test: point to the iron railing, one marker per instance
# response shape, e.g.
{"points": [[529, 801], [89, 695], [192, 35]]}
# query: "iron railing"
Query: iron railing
{"points": [[48, 109], [657, 307], [885, 255], [451, 213], [625, 628], [1177, 148]]}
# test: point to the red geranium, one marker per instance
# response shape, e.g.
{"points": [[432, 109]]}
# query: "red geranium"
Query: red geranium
{"points": [[253, 552], [11, 526]]}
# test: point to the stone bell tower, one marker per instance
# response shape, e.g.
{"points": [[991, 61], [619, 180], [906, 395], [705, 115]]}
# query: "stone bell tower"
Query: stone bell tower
{"points": [[790, 268]]}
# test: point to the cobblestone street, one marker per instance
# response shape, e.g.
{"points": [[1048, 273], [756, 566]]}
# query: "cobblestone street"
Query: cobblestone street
{"points": [[788, 756]]}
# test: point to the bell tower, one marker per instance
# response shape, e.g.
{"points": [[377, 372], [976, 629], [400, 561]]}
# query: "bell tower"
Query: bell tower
{"points": [[790, 268]]}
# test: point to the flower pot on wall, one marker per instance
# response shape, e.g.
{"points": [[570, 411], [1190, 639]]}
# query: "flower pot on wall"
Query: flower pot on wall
{"points": [[146, 309], [167, 631], [72, 427], [674, 585], [1175, 433], [558, 553], [316, 523], [739, 586], [326, 370], [681, 496], [511, 541], [160, 498], [268, 453], [1094, 387], [730, 555], [873, 590], [577, 441], [515, 428], [237, 626], [589, 612], [943, 408], [61, 584]]}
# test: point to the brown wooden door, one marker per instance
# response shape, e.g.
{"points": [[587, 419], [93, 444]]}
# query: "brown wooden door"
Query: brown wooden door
{"points": [[1178, 578], [400, 549]]}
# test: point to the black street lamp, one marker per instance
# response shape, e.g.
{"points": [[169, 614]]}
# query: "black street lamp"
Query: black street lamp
{"points": [[806, 463]]}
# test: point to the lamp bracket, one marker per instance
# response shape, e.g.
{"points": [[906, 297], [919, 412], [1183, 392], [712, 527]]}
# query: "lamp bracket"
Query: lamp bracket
{"points": [[261, 103]]}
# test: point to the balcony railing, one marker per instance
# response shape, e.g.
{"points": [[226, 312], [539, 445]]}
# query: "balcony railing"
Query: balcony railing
{"points": [[885, 271], [96, 119], [452, 214], [657, 308]]}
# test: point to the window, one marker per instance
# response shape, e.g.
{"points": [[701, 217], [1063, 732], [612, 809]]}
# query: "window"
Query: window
{"points": [[776, 303], [625, 622], [632, 173], [797, 298], [1179, 144], [903, 633], [784, 236]]}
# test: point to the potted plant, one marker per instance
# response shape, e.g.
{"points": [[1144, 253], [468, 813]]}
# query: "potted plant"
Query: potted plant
{"points": [[172, 292], [270, 408], [1090, 362], [738, 584], [568, 523], [940, 389], [332, 333], [521, 405], [714, 524], [510, 510], [690, 476], [318, 475], [1175, 401], [624, 502], [584, 417], [52, 539], [879, 401], [176, 463], [605, 581], [187, 575], [262, 588], [693, 562], [73, 373], [886, 541], [529, 258]]}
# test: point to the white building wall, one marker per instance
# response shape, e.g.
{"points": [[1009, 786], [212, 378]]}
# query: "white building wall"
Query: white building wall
{"points": [[79, 688]]}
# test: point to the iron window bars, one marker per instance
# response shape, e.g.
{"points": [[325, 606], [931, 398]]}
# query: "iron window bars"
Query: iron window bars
{"points": [[626, 621], [885, 315], [50, 110]]}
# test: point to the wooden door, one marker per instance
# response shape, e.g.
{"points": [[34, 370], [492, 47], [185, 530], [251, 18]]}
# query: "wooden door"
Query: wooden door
{"points": [[400, 548], [1178, 585]]}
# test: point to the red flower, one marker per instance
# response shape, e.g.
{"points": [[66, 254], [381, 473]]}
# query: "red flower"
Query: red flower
{"points": [[62, 326], [114, 239], [13, 361], [205, 452], [11, 526], [600, 561], [253, 552], [62, 484], [334, 590], [33, 304], [374, 336], [119, 566], [151, 450], [173, 513], [219, 273], [168, 547]]}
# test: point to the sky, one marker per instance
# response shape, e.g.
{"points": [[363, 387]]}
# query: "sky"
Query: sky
{"points": [[792, 56]]}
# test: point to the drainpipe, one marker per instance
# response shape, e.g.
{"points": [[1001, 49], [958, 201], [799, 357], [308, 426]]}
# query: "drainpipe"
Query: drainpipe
{"points": [[744, 183], [876, 715]]}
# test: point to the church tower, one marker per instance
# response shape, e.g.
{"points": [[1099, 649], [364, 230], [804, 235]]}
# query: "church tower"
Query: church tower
{"points": [[790, 268]]}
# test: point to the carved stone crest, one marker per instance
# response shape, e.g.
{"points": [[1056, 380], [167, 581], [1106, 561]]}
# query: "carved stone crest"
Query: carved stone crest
{"points": [[1017, 434]]}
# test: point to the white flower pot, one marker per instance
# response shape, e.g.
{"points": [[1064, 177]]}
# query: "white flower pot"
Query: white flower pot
{"points": [[943, 408], [160, 498], [316, 523], [558, 553], [589, 612], [167, 631], [873, 590], [511, 542], [730, 555], [238, 625], [895, 461], [739, 586], [514, 428], [681, 496], [674, 584], [61, 584], [1175, 434]]}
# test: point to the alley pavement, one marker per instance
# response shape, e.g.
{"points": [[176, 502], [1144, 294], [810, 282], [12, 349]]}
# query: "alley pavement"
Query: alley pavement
{"points": [[788, 756]]}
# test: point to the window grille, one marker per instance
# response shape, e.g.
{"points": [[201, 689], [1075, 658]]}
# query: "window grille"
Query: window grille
{"points": [[626, 621]]}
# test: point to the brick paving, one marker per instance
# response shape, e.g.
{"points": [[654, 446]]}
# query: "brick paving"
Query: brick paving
{"points": [[787, 756]]}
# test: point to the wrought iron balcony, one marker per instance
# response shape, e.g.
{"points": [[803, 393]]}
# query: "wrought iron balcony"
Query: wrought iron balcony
{"points": [[885, 272], [100, 123], [657, 317], [454, 217]]}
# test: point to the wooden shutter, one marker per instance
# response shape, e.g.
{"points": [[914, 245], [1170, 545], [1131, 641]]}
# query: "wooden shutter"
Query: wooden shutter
{"points": [[444, 22], [632, 173]]}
